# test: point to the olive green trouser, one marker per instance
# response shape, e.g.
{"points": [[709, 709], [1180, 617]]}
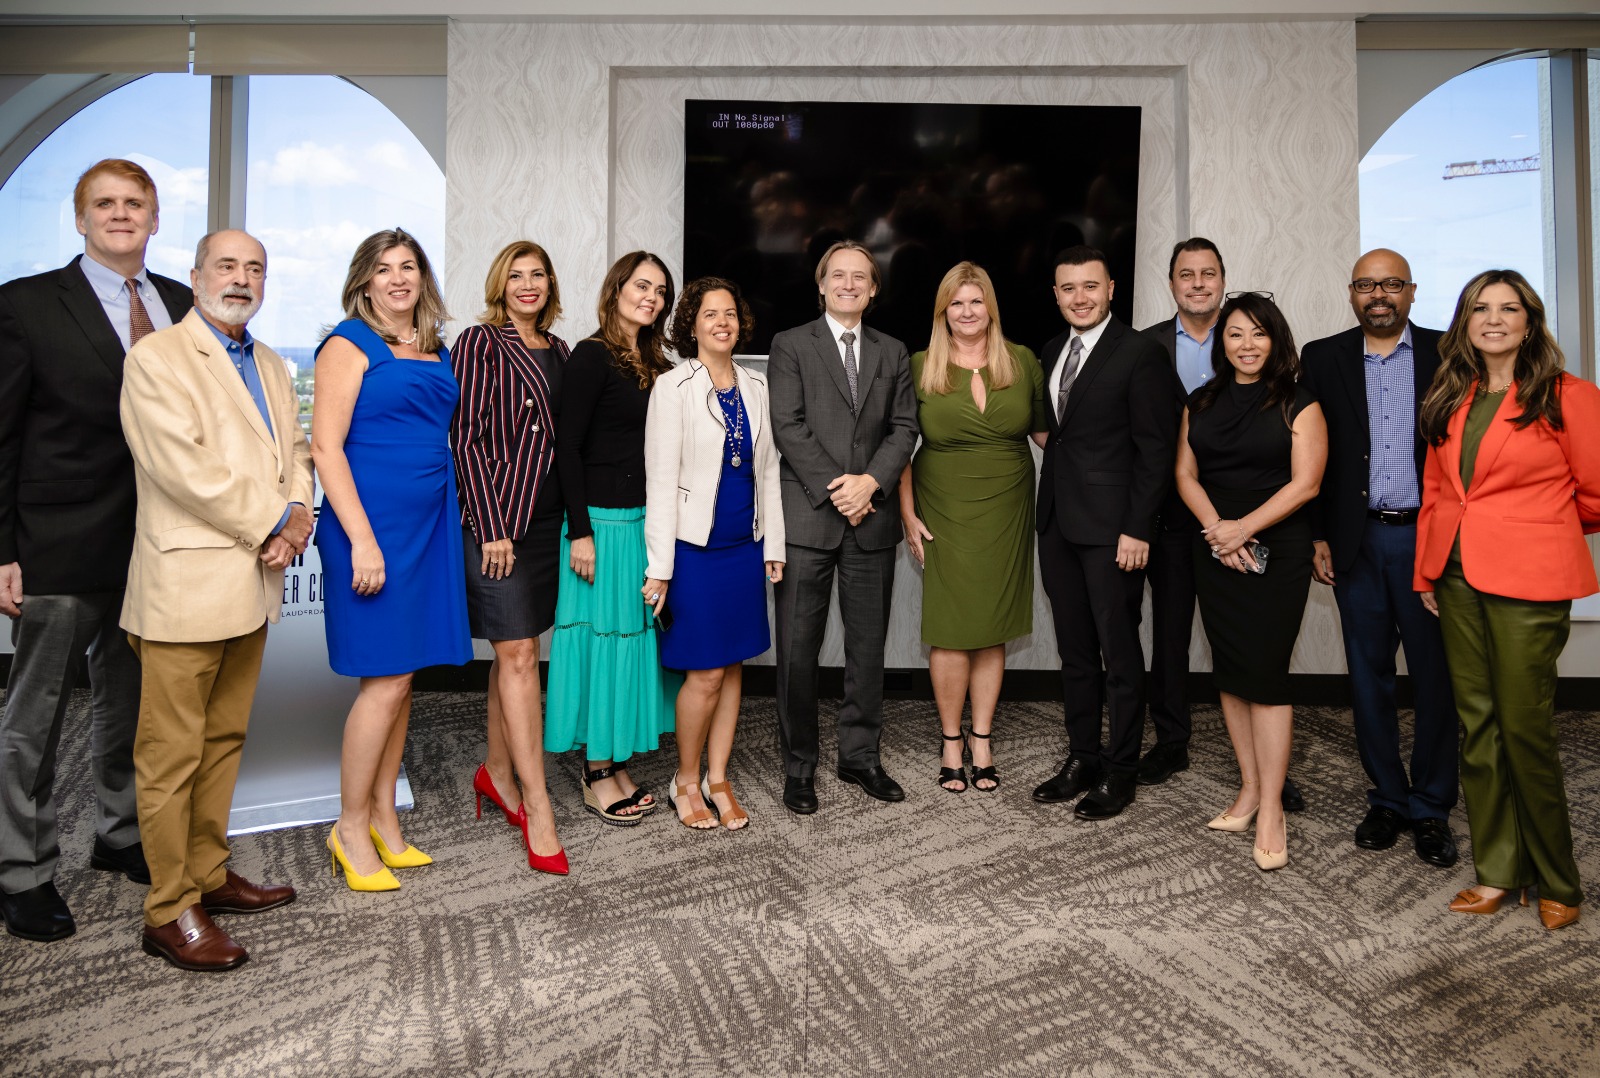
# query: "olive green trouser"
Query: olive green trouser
{"points": [[1502, 655]]}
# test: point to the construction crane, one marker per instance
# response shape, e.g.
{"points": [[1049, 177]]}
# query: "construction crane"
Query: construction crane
{"points": [[1491, 166]]}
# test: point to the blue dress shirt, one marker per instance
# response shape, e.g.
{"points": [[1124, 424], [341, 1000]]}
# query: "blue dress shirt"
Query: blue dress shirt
{"points": [[1392, 420], [243, 355], [1194, 358], [111, 288]]}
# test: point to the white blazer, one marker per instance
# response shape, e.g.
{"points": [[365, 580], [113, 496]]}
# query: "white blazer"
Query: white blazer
{"points": [[684, 437]]}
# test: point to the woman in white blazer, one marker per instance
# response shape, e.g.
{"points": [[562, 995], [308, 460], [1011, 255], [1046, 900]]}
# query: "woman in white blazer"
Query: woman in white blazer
{"points": [[713, 528]]}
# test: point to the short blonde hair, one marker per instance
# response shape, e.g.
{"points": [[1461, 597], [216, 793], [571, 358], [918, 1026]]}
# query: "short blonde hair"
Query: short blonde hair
{"points": [[431, 314], [494, 285]]}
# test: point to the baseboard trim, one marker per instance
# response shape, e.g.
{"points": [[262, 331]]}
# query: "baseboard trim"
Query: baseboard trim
{"points": [[1324, 690]]}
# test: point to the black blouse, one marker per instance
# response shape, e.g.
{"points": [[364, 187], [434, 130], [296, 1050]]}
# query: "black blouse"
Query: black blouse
{"points": [[599, 436], [1238, 445]]}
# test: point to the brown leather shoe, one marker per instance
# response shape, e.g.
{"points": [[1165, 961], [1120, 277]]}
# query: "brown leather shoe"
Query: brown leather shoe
{"points": [[1554, 915], [239, 895], [194, 942]]}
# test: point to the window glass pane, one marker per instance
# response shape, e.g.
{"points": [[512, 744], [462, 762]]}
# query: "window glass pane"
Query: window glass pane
{"points": [[329, 166], [1459, 184], [162, 122]]}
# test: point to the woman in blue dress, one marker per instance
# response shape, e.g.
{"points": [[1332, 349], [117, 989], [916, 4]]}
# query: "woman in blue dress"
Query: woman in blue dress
{"points": [[389, 532], [713, 531]]}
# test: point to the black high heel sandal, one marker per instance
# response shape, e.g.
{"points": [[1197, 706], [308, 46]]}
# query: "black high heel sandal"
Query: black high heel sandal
{"points": [[982, 773], [954, 774]]}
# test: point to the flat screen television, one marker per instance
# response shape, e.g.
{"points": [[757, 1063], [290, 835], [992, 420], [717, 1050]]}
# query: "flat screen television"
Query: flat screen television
{"points": [[769, 185]]}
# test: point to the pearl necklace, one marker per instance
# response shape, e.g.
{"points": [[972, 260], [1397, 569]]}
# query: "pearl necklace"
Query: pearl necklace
{"points": [[411, 340], [735, 429]]}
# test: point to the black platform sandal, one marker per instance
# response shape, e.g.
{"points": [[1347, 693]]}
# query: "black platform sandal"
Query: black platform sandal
{"points": [[980, 774], [612, 813], [953, 774]]}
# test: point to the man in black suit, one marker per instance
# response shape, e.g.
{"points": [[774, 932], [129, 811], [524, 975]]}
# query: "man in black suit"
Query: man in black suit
{"points": [[844, 417], [66, 534], [1107, 466], [1198, 281], [1371, 381]]}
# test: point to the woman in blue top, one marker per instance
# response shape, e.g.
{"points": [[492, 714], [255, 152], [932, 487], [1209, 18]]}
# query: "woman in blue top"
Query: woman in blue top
{"points": [[389, 532]]}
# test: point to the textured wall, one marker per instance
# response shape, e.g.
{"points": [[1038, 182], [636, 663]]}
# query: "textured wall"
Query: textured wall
{"points": [[571, 133]]}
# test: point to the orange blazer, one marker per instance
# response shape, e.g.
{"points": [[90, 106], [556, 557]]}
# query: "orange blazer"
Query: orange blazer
{"points": [[1535, 493]]}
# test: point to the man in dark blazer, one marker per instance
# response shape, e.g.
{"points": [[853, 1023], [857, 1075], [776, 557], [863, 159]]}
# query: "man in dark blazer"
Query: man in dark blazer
{"points": [[1107, 467], [66, 534], [1371, 381], [1198, 280], [844, 417]]}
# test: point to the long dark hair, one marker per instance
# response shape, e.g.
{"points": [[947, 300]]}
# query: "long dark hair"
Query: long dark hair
{"points": [[1281, 370], [646, 358], [1537, 371]]}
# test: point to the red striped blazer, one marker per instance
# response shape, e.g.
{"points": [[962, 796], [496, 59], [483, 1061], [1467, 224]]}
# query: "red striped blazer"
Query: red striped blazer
{"points": [[503, 434]]}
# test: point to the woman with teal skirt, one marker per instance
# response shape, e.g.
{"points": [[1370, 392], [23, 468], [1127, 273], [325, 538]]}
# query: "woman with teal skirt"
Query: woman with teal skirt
{"points": [[607, 690]]}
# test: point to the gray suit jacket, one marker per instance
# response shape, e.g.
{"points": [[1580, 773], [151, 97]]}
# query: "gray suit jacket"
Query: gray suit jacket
{"points": [[821, 439]]}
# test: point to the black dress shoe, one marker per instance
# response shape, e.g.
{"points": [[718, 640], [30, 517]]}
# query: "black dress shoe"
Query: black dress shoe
{"points": [[1076, 776], [1380, 829], [39, 913], [1110, 796], [1291, 798], [1435, 844], [1162, 762], [128, 860], [875, 781], [800, 795]]}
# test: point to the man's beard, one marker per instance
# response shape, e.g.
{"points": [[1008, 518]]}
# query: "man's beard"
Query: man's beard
{"points": [[1381, 321], [229, 314]]}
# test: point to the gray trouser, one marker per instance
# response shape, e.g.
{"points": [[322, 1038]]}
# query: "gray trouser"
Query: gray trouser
{"points": [[49, 636]]}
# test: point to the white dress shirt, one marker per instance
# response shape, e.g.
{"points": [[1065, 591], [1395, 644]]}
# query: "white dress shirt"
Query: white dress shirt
{"points": [[1090, 337]]}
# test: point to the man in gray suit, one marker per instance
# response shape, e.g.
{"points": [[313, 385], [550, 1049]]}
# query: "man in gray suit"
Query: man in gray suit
{"points": [[845, 419]]}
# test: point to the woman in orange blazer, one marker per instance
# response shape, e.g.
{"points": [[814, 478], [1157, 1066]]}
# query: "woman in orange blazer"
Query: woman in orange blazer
{"points": [[1511, 484]]}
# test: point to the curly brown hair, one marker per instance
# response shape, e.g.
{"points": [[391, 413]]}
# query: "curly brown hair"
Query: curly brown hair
{"points": [[689, 301]]}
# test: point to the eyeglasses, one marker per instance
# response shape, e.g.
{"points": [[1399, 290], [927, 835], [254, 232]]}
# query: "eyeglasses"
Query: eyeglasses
{"points": [[1388, 284], [1258, 295]]}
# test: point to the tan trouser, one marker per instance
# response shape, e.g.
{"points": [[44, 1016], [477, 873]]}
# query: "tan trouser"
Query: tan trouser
{"points": [[194, 707]]}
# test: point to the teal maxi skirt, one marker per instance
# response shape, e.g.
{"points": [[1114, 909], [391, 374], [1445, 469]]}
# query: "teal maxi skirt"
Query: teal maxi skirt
{"points": [[607, 689]]}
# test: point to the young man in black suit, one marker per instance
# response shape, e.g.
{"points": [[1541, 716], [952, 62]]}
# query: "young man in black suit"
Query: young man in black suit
{"points": [[1107, 467], [1371, 381], [66, 534], [1198, 281]]}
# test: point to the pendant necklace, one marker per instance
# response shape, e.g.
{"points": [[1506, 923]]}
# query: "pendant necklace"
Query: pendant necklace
{"points": [[736, 424]]}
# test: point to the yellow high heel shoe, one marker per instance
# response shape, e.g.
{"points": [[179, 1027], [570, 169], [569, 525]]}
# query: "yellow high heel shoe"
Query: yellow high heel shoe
{"points": [[381, 880], [410, 857]]}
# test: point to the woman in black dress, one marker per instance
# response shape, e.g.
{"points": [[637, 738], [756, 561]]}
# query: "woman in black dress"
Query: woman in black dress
{"points": [[1250, 458]]}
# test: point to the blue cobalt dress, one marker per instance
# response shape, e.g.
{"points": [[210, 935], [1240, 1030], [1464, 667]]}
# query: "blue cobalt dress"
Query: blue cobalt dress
{"points": [[718, 593], [399, 452]]}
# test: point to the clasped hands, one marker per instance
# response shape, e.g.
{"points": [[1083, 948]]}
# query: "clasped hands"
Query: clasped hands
{"points": [[1227, 539], [852, 496], [290, 542]]}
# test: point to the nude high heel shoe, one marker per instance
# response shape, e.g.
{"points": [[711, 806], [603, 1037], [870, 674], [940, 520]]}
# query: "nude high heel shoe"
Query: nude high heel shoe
{"points": [[1225, 822]]}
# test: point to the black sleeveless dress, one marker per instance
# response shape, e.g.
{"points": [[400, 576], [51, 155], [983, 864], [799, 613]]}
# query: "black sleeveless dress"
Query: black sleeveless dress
{"points": [[1252, 621]]}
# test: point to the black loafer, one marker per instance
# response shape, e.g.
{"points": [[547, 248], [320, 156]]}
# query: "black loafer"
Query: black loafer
{"points": [[1113, 794], [129, 860], [1292, 799], [1435, 844], [1162, 762], [39, 914], [1076, 776], [875, 781], [1380, 829], [800, 795]]}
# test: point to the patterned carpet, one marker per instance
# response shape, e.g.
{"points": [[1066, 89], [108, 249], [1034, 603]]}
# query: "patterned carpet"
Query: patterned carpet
{"points": [[948, 935]]}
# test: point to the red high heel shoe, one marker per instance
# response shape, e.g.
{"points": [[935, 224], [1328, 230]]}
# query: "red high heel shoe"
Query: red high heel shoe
{"points": [[555, 863], [483, 786]]}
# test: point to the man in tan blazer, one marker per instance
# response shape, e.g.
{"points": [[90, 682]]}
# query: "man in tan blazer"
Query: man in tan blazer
{"points": [[224, 479]]}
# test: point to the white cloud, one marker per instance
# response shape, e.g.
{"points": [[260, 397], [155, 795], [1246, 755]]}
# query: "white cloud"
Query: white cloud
{"points": [[389, 155], [310, 164]]}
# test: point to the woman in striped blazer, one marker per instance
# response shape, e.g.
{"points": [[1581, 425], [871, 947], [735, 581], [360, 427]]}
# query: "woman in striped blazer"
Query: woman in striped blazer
{"points": [[510, 366]]}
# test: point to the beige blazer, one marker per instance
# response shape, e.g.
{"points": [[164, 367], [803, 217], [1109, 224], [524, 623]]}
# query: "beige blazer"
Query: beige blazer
{"points": [[212, 481], [684, 436]]}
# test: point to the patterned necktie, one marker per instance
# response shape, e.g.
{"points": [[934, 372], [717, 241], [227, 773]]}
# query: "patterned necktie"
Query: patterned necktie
{"points": [[1068, 376], [138, 318], [849, 340]]}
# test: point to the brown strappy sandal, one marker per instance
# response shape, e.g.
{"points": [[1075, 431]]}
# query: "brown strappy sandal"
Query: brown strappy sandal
{"points": [[699, 816], [736, 818]]}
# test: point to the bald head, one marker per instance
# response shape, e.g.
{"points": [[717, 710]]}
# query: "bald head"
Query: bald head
{"points": [[1382, 313]]}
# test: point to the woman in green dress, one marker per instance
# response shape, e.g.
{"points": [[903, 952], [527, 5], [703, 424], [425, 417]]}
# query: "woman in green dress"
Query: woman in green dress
{"points": [[966, 500]]}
